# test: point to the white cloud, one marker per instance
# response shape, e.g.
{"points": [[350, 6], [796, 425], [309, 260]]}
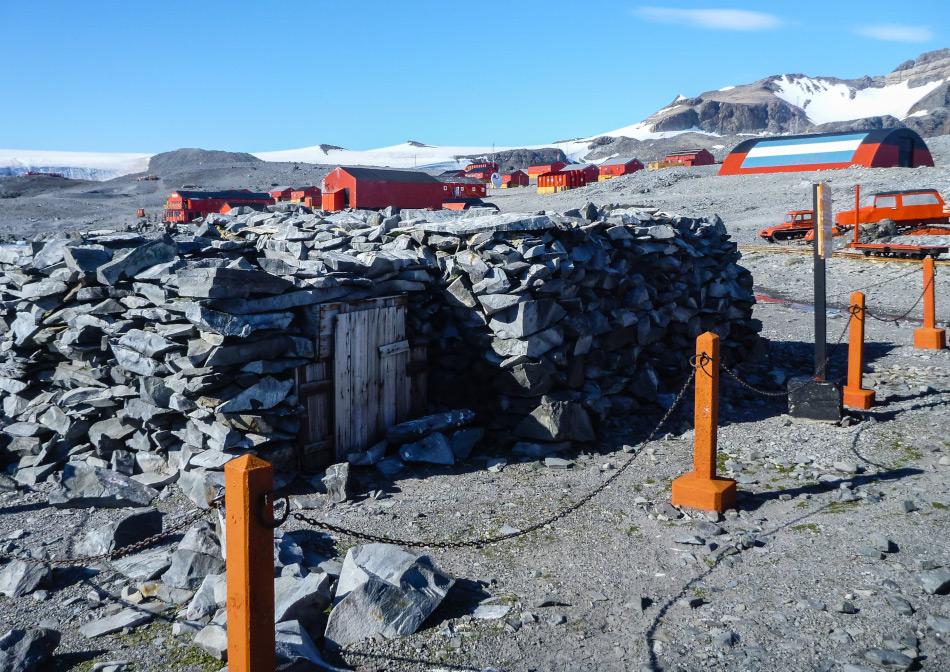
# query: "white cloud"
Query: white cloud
{"points": [[893, 32], [721, 19]]}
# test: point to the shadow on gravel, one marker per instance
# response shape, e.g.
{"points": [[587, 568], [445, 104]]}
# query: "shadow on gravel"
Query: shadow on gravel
{"points": [[753, 501], [884, 416], [23, 508], [894, 474], [74, 659]]}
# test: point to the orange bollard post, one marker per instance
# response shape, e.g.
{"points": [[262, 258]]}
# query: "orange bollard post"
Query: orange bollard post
{"points": [[250, 565], [701, 488], [929, 337], [854, 395]]}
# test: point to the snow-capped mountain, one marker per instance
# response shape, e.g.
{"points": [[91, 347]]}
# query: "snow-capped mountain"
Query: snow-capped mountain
{"points": [[915, 94]]}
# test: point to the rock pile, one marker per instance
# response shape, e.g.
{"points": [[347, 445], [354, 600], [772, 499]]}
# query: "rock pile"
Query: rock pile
{"points": [[140, 360]]}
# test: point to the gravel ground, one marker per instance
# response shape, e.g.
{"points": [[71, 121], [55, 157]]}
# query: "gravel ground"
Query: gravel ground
{"points": [[611, 587]]}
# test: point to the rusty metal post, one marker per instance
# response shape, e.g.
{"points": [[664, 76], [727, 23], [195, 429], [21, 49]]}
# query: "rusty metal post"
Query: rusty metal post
{"points": [[250, 565], [854, 395], [701, 488], [929, 337]]}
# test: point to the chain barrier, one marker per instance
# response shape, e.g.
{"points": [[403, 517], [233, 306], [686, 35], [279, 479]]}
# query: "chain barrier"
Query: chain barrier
{"points": [[88, 560], [487, 541], [749, 386], [913, 271], [895, 320]]}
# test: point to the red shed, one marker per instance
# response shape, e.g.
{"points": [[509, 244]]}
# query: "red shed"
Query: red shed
{"points": [[616, 167], [184, 206], [691, 157], [483, 166], [371, 188], [591, 173], [536, 171], [516, 178], [562, 180], [306, 195], [465, 188], [281, 193]]}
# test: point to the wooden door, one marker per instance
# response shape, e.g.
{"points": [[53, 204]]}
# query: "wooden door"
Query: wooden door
{"points": [[371, 384]]}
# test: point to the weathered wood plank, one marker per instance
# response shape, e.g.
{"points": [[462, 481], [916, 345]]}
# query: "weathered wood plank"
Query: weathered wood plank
{"points": [[392, 348]]}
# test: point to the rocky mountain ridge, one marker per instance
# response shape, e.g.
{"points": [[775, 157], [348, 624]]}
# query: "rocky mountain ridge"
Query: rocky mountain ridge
{"points": [[915, 94]]}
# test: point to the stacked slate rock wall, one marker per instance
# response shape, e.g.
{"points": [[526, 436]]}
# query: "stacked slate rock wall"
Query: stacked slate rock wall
{"points": [[162, 357]]}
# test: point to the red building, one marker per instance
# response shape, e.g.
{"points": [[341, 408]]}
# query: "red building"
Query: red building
{"points": [[883, 148], [485, 166], [616, 167], [281, 193], [562, 180], [516, 178], [185, 206], [309, 196], [536, 171], [691, 157], [370, 188], [591, 173], [451, 173], [464, 188]]}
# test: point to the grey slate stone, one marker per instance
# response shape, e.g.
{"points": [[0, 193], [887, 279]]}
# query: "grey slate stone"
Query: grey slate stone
{"points": [[127, 618], [384, 590], [301, 599], [27, 650], [121, 532], [439, 422], [337, 482], [82, 485], [228, 283], [432, 449], [935, 581], [19, 578], [261, 396], [240, 326], [526, 318], [137, 259], [557, 421]]}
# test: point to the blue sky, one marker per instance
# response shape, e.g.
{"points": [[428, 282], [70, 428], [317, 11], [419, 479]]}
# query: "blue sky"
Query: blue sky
{"points": [[248, 75]]}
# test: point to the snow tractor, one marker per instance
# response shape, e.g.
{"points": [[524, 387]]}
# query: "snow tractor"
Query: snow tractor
{"points": [[910, 212], [796, 226]]}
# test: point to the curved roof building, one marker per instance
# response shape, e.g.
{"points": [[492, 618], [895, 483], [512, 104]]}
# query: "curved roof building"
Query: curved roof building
{"points": [[885, 148]]}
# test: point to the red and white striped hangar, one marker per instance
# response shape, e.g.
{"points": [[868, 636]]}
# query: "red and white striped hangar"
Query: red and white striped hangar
{"points": [[884, 148]]}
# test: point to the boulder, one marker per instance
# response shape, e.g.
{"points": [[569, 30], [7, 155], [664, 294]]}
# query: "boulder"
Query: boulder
{"points": [[433, 449], [119, 533], [19, 578], [82, 486], [337, 482], [27, 650], [383, 590], [557, 421]]}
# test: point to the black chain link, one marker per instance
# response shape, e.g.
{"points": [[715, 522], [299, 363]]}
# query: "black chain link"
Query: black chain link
{"points": [[486, 541], [89, 560], [749, 386], [911, 272], [895, 320]]}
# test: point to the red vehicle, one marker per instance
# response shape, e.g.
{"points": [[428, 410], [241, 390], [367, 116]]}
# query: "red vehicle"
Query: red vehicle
{"points": [[796, 226], [910, 212], [914, 209]]}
